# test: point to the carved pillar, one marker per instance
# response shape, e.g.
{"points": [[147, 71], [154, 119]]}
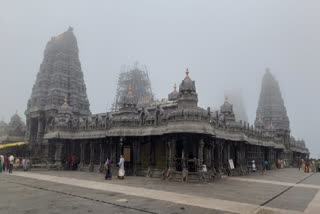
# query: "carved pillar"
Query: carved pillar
{"points": [[101, 158], [208, 156], [82, 154], [91, 166], [58, 155], [212, 155], [228, 151], [183, 159], [173, 154], [220, 151], [200, 153], [120, 148], [134, 156]]}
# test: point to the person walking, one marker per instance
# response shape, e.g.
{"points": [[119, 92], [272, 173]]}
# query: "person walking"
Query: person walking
{"points": [[107, 167], [11, 159], [266, 163], [5, 163], [254, 169], [121, 168], [299, 163]]}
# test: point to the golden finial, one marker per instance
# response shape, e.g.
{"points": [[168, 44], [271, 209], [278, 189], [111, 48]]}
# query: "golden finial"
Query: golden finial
{"points": [[65, 100], [175, 87], [130, 89], [187, 72]]}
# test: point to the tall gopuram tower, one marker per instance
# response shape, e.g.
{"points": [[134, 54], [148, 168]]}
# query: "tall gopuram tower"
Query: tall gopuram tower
{"points": [[60, 76], [271, 109]]}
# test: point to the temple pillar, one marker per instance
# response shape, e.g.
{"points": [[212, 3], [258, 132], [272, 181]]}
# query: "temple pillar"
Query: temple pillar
{"points": [[220, 154], [58, 155], [171, 155], [82, 155], [183, 158], [212, 155], [91, 165], [200, 154], [101, 158], [134, 156]]}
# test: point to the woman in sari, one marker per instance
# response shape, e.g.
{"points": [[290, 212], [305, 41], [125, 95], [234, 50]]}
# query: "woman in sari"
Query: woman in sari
{"points": [[107, 166], [5, 163]]}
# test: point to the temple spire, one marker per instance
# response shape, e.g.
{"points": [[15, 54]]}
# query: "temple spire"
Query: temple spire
{"points": [[271, 104]]}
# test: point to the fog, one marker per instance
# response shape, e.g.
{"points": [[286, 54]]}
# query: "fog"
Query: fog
{"points": [[225, 44]]}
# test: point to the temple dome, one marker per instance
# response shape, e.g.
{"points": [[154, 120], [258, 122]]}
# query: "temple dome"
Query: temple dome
{"points": [[187, 84], [173, 95], [16, 120], [226, 107]]}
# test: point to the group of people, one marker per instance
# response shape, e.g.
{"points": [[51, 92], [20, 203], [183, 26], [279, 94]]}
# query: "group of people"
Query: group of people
{"points": [[108, 170], [8, 163], [309, 165], [266, 165]]}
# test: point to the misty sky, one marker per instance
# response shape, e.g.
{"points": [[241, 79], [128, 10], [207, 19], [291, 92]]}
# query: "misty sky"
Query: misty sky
{"points": [[225, 44]]}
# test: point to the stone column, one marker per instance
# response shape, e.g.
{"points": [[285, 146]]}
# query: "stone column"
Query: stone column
{"points": [[183, 159], [91, 166], [82, 154], [171, 155], [220, 150], [200, 154], [58, 155], [134, 156], [101, 158], [208, 156], [212, 155]]}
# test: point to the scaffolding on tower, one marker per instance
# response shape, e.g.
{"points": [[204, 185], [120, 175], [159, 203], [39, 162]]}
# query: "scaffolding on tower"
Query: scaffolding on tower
{"points": [[137, 77]]}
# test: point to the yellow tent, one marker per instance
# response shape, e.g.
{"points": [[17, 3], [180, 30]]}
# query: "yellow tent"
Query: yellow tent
{"points": [[3, 146]]}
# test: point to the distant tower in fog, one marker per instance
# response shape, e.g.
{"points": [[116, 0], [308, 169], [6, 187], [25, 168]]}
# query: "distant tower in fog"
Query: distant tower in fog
{"points": [[271, 109], [236, 99], [271, 105]]}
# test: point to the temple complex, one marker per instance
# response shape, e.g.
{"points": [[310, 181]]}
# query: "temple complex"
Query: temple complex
{"points": [[173, 138]]}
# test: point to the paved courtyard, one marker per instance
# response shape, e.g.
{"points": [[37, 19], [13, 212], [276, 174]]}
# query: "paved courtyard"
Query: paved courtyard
{"points": [[280, 191]]}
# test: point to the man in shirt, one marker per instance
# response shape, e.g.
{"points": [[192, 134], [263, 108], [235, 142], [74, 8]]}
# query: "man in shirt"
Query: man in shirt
{"points": [[11, 159]]}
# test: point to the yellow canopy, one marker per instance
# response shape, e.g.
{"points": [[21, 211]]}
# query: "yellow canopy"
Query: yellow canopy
{"points": [[2, 146]]}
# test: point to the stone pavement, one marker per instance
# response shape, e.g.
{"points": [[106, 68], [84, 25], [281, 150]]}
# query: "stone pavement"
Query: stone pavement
{"points": [[280, 191]]}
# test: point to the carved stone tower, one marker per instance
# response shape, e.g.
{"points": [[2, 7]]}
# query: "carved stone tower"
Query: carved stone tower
{"points": [[188, 97], [60, 76], [272, 109]]}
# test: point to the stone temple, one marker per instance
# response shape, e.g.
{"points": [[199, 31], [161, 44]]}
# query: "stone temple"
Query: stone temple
{"points": [[173, 138], [60, 76]]}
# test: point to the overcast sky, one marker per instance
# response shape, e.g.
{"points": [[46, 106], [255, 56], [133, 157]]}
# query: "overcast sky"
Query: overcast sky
{"points": [[225, 44]]}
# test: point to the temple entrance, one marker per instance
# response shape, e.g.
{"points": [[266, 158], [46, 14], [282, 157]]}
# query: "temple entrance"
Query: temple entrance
{"points": [[128, 160]]}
